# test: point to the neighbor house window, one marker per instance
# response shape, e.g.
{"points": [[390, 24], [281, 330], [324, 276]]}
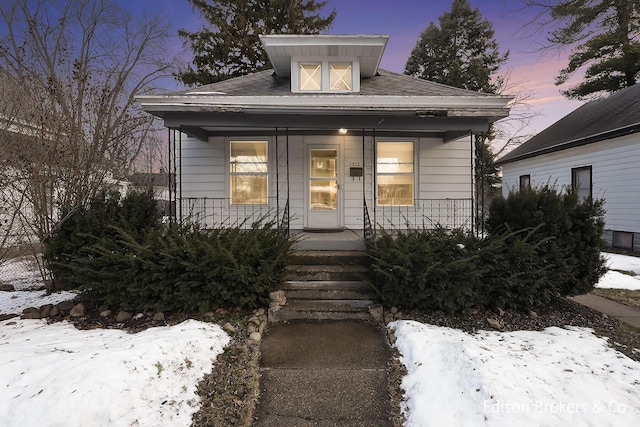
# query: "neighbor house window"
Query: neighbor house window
{"points": [[325, 76], [525, 182], [581, 182], [248, 172], [623, 239], [395, 173]]}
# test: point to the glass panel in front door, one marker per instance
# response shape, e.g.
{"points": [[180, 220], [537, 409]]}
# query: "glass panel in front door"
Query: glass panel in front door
{"points": [[323, 179]]}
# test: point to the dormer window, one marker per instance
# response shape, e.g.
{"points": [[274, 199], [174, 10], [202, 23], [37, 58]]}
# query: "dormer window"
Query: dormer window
{"points": [[325, 76]]}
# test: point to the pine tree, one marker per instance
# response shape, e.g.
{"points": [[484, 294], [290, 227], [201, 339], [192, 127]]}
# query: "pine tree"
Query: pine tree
{"points": [[230, 46], [460, 52], [608, 33]]}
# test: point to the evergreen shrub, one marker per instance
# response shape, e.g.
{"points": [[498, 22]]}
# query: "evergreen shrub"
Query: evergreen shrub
{"points": [[540, 244], [82, 227], [117, 251], [186, 268]]}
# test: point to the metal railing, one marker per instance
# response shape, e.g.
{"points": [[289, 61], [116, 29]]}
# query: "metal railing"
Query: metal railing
{"points": [[220, 213], [426, 214]]}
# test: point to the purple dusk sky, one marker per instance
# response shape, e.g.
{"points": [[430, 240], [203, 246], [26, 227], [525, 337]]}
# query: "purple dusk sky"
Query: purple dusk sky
{"points": [[403, 20]]}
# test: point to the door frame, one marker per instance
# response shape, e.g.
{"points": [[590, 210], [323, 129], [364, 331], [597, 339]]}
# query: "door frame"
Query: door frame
{"points": [[308, 212]]}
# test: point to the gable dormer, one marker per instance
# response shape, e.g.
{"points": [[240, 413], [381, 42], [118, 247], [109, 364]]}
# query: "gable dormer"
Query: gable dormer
{"points": [[325, 63]]}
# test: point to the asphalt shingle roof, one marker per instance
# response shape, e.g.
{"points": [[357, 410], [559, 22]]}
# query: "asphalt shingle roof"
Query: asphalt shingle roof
{"points": [[618, 111], [386, 83]]}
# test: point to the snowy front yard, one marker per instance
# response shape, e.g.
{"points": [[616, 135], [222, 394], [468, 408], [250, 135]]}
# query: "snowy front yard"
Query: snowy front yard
{"points": [[56, 375]]}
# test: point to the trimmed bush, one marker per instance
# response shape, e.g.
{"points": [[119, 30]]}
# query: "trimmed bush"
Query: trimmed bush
{"points": [[80, 229], [540, 245], [185, 268], [427, 269], [567, 234]]}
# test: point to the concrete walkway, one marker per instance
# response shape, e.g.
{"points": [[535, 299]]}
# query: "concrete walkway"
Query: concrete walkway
{"points": [[329, 373], [622, 312]]}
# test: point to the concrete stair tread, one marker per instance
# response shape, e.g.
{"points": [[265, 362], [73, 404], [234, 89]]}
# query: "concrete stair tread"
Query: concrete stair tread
{"points": [[350, 285], [327, 267], [328, 305]]}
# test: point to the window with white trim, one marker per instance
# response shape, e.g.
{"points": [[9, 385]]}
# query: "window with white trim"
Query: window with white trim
{"points": [[325, 76], [581, 182], [395, 178], [248, 168]]}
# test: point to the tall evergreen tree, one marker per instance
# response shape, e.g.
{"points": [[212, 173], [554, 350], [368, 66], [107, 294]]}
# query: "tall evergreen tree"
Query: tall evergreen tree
{"points": [[230, 46], [608, 33], [462, 52]]}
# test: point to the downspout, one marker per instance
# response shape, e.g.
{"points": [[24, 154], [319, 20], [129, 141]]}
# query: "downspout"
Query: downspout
{"points": [[169, 172], [180, 169], [374, 161], [288, 184], [474, 205], [364, 190], [277, 179]]}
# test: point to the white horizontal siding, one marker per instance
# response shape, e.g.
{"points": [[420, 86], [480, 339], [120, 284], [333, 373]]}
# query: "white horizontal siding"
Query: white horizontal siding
{"points": [[442, 171], [615, 176]]}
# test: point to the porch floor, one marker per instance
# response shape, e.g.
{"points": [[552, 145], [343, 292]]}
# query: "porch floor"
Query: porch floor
{"points": [[346, 240]]}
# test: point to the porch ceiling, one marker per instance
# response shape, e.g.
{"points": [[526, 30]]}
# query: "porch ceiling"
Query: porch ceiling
{"points": [[206, 124]]}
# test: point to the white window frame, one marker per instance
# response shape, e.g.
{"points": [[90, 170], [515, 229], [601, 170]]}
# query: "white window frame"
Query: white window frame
{"points": [[229, 174], [414, 174], [325, 64]]}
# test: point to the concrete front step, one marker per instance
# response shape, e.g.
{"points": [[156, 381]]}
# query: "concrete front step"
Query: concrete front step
{"points": [[328, 290], [322, 310], [330, 257], [327, 272]]}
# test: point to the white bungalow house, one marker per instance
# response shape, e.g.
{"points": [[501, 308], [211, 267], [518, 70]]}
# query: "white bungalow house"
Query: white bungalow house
{"points": [[326, 141], [596, 149]]}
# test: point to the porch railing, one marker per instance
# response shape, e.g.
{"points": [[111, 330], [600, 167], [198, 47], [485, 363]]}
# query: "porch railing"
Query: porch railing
{"points": [[426, 214], [220, 212]]}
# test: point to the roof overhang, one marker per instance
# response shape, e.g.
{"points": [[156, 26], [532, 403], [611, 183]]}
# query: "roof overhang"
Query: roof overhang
{"points": [[614, 133], [367, 47]]}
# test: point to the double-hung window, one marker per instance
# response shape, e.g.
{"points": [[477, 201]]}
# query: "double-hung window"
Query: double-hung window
{"points": [[581, 182], [525, 182], [248, 163], [395, 171]]}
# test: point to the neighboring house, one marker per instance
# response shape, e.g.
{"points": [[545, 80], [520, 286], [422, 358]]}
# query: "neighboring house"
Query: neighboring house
{"points": [[326, 140], [596, 149], [157, 182]]}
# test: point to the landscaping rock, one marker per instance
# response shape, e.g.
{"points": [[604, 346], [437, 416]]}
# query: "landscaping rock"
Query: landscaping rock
{"points": [[77, 310], [495, 323], [260, 312], [388, 318], [123, 316], [54, 311], [377, 312], [254, 338], [158, 317], [45, 311], [229, 328], [105, 313], [533, 314], [103, 307], [261, 327], [30, 313], [65, 306], [6, 287], [252, 328]]}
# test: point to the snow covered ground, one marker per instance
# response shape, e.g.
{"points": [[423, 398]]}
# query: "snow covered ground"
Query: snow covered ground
{"points": [[56, 375], [617, 280], [556, 377]]}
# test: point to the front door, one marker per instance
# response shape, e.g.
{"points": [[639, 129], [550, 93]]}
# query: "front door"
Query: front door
{"points": [[324, 207]]}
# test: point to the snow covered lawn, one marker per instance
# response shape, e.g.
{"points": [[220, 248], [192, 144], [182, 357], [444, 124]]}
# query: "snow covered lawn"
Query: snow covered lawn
{"points": [[556, 377], [57, 375], [615, 279]]}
